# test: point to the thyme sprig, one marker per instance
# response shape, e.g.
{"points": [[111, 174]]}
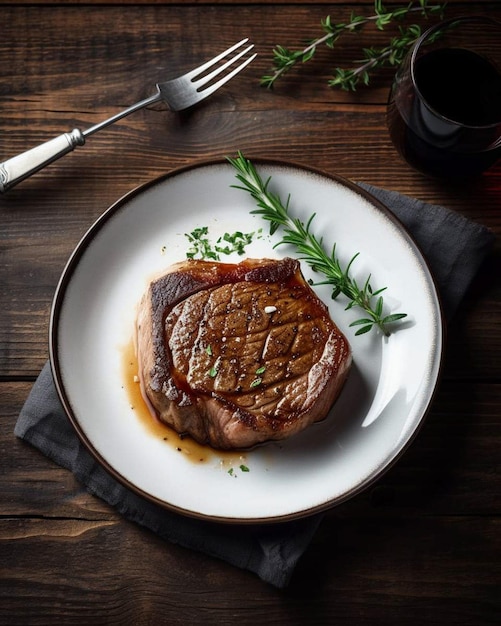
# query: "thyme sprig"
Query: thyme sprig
{"points": [[349, 79], [311, 249]]}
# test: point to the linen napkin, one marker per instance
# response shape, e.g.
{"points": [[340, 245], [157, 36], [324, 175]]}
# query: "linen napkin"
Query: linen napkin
{"points": [[454, 247]]}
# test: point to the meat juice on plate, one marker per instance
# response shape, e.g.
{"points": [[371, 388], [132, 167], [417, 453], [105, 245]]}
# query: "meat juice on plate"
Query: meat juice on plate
{"points": [[454, 128], [189, 448]]}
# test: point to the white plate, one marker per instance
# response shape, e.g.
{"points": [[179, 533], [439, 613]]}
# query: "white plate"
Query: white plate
{"points": [[383, 404]]}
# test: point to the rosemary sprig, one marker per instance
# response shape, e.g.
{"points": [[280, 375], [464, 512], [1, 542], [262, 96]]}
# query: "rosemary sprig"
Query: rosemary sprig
{"points": [[311, 250], [285, 59]]}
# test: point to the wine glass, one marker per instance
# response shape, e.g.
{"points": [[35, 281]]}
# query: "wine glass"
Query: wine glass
{"points": [[444, 110]]}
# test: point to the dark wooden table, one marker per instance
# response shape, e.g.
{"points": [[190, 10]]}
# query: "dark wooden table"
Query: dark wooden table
{"points": [[422, 545]]}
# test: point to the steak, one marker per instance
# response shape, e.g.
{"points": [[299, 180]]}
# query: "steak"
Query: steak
{"points": [[238, 354]]}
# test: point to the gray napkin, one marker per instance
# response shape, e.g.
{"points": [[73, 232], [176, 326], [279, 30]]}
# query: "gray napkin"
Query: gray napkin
{"points": [[454, 247]]}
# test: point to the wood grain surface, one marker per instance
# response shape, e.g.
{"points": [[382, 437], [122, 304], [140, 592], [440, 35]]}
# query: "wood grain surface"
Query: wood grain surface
{"points": [[419, 547]]}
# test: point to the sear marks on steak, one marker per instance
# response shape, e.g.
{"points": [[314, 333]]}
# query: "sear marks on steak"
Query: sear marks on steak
{"points": [[238, 354]]}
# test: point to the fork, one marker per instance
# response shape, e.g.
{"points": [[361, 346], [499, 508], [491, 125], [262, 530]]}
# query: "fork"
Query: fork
{"points": [[178, 93]]}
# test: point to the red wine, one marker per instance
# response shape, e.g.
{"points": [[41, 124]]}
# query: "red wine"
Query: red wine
{"points": [[451, 126], [460, 85]]}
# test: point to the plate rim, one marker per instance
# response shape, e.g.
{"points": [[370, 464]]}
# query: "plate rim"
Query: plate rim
{"points": [[86, 240]]}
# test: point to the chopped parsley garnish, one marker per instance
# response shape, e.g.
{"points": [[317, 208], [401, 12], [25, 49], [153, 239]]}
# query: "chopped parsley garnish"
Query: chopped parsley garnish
{"points": [[243, 468], [203, 248], [237, 242]]}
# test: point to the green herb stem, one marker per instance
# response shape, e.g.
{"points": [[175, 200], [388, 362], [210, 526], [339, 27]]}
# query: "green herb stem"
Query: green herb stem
{"points": [[285, 59]]}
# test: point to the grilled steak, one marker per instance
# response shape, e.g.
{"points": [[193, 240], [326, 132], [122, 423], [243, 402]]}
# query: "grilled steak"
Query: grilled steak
{"points": [[238, 354]]}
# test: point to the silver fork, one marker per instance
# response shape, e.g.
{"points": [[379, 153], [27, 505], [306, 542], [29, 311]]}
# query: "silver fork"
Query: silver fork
{"points": [[178, 93]]}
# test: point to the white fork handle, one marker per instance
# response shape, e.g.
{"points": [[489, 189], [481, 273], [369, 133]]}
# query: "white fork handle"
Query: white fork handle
{"points": [[18, 168]]}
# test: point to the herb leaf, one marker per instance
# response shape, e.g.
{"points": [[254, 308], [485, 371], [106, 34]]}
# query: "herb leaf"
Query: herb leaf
{"points": [[312, 250], [203, 248]]}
